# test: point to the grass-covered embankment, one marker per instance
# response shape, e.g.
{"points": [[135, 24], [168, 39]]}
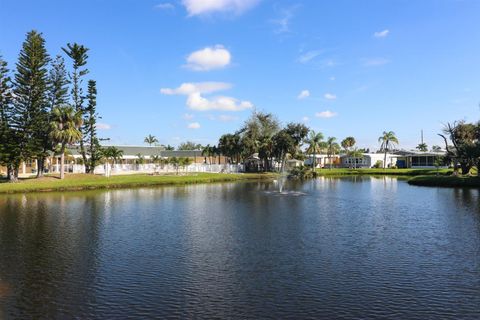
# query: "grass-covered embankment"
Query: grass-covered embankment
{"points": [[417, 177], [75, 182], [446, 181], [381, 172]]}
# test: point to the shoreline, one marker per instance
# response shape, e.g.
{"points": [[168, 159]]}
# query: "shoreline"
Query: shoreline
{"points": [[445, 181], [441, 178], [382, 172], [82, 182]]}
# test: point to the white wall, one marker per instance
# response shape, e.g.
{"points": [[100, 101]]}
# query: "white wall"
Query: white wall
{"points": [[153, 168]]}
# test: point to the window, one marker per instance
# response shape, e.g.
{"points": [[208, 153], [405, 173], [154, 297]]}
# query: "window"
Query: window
{"points": [[423, 161]]}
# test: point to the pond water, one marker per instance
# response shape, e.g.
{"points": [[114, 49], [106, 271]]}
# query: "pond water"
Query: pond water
{"points": [[327, 248]]}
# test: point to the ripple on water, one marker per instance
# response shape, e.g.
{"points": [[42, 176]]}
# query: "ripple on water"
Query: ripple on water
{"points": [[353, 249]]}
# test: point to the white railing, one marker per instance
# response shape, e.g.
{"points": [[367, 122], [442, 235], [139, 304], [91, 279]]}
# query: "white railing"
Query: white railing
{"points": [[119, 169]]}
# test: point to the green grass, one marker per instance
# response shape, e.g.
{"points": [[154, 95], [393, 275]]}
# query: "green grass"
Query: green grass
{"points": [[75, 182], [373, 171], [446, 181]]}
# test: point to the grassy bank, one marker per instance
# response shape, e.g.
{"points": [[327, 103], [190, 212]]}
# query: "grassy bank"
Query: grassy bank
{"points": [[446, 181], [373, 171], [75, 182]]}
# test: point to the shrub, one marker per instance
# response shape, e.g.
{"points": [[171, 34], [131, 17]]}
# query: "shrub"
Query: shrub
{"points": [[302, 173], [378, 164]]}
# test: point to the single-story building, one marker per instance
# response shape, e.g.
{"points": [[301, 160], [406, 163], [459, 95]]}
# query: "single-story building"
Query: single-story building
{"points": [[368, 160], [293, 163], [132, 155], [418, 159], [323, 160]]}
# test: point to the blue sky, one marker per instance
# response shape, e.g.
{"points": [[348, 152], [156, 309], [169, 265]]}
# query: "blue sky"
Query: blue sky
{"points": [[193, 70]]}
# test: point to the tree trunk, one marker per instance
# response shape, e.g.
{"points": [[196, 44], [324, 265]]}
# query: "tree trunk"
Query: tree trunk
{"points": [[465, 168], [62, 165], [385, 159], [13, 175], [40, 166], [86, 163]]}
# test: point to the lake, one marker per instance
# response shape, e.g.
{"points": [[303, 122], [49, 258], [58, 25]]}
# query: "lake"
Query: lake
{"points": [[356, 247]]}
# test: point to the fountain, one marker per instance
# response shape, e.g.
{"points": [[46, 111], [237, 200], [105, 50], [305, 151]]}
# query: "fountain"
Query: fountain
{"points": [[281, 182]]}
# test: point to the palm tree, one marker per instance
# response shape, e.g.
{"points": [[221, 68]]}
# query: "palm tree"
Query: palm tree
{"points": [[332, 148], [184, 162], [348, 143], [314, 141], [216, 152], [140, 159], [150, 140], [65, 130], [175, 162], [355, 154], [387, 140], [112, 153], [207, 151], [422, 147]]}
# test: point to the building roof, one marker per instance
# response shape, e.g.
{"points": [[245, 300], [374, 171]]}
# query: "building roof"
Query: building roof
{"points": [[133, 151], [421, 153]]}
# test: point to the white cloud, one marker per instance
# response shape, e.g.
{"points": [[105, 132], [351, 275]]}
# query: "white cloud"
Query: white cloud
{"points": [[325, 114], [308, 56], [200, 87], [283, 23], [196, 100], [381, 34], [375, 62], [165, 6], [205, 7], [305, 119], [332, 78], [304, 94], [193, 125], [103, 126], [188, 116], [209, 58], [330, 96]]}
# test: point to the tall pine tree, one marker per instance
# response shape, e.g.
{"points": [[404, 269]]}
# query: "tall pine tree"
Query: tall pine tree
{"points": [[78, 54], [30, 114], [5, 104], [58, 83], [57, 92], [57, 95], [89, 129], [8, 147]]}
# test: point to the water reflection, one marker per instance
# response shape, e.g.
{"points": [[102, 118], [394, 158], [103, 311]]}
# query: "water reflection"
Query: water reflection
{"points": [[355, 247]]}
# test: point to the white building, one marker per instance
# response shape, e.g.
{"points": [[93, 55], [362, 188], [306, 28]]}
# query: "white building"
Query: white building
{"points": [[419, 159], [368, 160], [323, 160]]}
